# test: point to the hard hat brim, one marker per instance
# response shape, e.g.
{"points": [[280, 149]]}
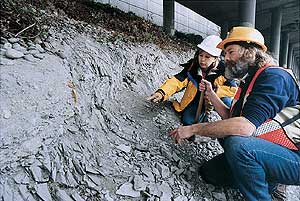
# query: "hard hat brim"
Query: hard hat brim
{"points": [[232, 40]]}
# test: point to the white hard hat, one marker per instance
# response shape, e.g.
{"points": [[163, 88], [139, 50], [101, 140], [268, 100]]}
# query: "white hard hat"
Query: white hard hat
{"points": [[209, 45]]}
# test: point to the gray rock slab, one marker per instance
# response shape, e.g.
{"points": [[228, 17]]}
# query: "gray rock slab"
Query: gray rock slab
{"points": [[181, 198], [70, 178], [7, 62], [61, 178], [25, 193], [3, 40], [32, 47], [95, 179], [13, 54], [14, 40], [165, 188], [154, 189], [175, 157], [21, 178], [38, 174], [7, 193], [43, 192], [107, 196], [7, 45], [91, 169], [16, 46], [39, 48], [124, 148], [219, 196], [39, 56], [138, 183], [2, 52], [126, 189], [32, 51], [166, 192], [163, 170], [76, 196], [20, 48], [148, 174], [63, 196], [61, 54]]}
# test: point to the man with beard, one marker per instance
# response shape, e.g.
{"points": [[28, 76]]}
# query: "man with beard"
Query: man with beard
{"points": [[253, 165]]}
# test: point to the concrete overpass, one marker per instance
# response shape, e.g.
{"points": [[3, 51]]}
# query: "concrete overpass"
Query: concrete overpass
{"points": [[278, 20]]}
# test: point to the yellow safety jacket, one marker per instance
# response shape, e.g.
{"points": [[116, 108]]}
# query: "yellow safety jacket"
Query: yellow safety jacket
{"points": [[173, 85], [224, 90], [182, 81]]}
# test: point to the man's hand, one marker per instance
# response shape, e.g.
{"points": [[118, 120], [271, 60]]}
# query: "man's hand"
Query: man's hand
{"points": [[156, 97], [181, 133]]}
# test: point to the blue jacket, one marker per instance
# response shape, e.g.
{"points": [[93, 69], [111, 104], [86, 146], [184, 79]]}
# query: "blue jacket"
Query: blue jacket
{"points": [[273, 90]]}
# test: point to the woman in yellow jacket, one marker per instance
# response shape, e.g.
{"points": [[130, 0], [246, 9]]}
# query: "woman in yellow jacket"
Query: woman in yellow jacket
{"points": [[205, 59]]}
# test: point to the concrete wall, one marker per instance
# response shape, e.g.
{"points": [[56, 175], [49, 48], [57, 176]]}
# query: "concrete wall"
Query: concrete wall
{"points": [[186, 20]]}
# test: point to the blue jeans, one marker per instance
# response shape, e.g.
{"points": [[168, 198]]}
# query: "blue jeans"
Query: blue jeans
{"points": [[189, 113], [255, 166]]}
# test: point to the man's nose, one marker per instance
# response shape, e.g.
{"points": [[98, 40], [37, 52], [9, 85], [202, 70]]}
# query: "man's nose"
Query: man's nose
{"points": [[226, 58]]}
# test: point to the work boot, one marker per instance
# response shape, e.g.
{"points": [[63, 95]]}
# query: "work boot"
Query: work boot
{"points": [[280, 193]]}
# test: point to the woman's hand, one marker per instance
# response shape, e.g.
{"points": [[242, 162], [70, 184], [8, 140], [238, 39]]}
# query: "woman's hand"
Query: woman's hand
{"points": [[181, 133], [205, 86], [156, 97]]}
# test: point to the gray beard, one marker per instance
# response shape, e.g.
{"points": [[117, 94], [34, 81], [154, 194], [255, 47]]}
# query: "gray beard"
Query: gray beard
{"points": [[235, 70]]}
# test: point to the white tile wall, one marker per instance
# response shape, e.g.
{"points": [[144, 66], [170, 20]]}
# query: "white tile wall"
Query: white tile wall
{"points": [[186, 20], [141, 12], [122, 5], [103, 1], [156, 19]]}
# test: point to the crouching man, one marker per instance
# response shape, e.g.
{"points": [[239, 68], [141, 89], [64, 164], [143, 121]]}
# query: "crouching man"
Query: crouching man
{"points": [[254, 165]]}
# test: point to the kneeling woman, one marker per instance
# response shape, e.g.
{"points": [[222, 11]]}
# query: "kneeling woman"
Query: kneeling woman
{"points": [[206, 59]]}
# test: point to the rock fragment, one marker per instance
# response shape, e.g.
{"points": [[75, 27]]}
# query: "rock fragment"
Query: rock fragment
{"points": [[13, 54], [43, 192], [138, 183], [127, 190]]}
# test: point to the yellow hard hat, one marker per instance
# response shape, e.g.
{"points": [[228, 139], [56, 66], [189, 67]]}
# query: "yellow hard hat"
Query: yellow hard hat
{"points": [[244, 34]]}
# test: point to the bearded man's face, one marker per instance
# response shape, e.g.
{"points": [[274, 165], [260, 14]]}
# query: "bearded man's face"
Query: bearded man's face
{"points": [[235, 67], [236, 70]]}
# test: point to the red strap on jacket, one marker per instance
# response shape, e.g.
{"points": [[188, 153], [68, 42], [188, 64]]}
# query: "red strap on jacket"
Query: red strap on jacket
{"points": [[249, 89]]}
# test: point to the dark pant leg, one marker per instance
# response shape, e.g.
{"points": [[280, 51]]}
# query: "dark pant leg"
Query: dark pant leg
{"points": [[216, 171]]}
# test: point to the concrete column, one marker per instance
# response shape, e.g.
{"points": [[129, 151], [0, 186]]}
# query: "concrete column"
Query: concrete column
{"points": [[284, 49], [290, 55], [247, 13], [224, 29], [168, 16], [275, 31]]}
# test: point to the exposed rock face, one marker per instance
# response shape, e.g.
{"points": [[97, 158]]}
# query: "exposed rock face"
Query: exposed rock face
{"points": [[75, 124]]}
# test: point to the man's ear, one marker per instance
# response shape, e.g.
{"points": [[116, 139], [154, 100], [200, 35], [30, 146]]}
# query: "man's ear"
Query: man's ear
{"points": [[249, 54]]}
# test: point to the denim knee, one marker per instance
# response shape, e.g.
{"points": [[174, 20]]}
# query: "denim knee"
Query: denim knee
{"points": [[235, 147]]}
